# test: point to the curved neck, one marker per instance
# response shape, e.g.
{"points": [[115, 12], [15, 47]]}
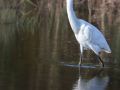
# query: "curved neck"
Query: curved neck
{"points": [[72, 17]]}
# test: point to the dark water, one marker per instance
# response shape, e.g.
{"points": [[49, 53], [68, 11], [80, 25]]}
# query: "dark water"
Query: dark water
{"points": [[45, 57]]}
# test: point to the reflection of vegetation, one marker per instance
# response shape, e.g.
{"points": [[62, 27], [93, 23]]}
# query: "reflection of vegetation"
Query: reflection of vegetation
{"points": [[34, 31], [116, 47], [49, 16]]}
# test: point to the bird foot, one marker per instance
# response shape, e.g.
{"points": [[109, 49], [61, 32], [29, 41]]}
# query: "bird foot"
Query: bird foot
{"points": [[102, 64], [79, 63]]}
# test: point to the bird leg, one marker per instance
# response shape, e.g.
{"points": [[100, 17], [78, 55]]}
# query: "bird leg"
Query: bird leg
{"points": [[101, 61], [80, 62], [81, 55]]}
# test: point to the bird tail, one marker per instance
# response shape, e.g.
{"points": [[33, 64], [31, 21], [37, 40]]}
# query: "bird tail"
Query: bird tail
{"points": [[108, 50]]}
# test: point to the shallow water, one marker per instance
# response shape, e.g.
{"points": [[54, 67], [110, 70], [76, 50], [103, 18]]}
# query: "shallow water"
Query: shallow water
{"points": [[29, 61], [45, 57]]}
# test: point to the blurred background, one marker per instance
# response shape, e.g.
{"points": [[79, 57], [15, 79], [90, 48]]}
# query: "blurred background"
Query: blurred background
{"points": [[38, 50]]}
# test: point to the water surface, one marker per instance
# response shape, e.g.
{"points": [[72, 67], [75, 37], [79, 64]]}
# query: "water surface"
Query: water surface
{"points": [[42, 54]]}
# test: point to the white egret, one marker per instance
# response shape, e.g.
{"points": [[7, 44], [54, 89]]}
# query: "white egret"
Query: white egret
{"points": [[87, 35]]}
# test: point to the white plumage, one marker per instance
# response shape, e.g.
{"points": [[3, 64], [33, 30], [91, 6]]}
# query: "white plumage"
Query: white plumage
{"points": [[88, 36]]}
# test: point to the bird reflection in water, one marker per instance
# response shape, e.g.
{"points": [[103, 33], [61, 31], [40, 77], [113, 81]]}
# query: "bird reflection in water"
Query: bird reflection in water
{"points": [[97, 82]]}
